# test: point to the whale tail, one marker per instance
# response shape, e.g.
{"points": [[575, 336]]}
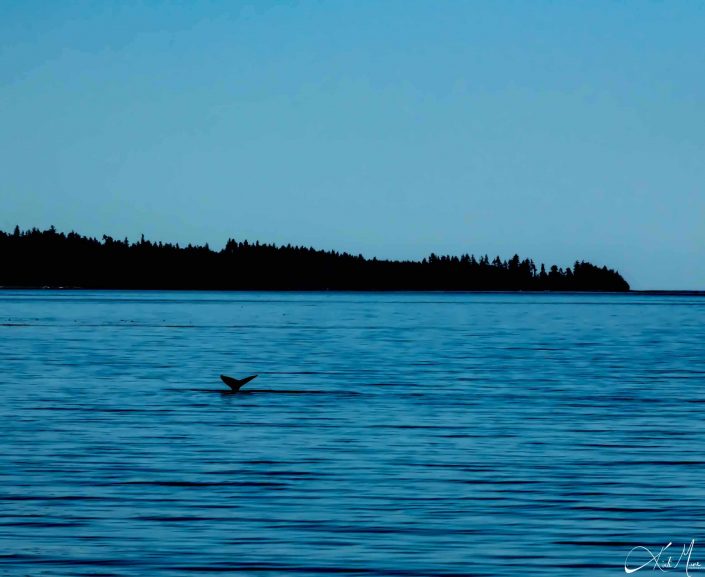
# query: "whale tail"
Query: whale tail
{"points": [[235, 384]]}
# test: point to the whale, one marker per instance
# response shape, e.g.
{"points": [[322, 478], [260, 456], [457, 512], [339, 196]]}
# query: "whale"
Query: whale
{"points": [[235, 384]]}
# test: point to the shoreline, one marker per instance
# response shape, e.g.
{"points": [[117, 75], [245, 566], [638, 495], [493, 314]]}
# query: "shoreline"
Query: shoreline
{"points": [[654, 292]]}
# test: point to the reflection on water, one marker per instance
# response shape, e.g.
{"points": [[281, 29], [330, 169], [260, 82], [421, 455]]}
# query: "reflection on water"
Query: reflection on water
{"points": [[386, 434]]}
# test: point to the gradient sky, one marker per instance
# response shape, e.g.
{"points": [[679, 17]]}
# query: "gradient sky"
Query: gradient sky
{"points": [[556, 130]]}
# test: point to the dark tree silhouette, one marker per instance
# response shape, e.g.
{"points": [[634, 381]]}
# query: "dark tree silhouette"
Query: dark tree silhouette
{"points": [[35, 258]]}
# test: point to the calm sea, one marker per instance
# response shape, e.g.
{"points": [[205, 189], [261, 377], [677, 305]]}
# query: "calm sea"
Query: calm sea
{"points": [[386, 434]]}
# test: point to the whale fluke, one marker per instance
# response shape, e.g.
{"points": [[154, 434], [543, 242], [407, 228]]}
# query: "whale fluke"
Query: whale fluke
{"points": [[235, 384]]}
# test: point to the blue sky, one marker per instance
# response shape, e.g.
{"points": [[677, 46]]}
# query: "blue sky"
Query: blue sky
{"points": [[556, 130]]}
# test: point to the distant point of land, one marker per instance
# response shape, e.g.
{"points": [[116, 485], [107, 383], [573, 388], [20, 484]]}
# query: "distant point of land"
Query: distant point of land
{"points": [[51, 259]]}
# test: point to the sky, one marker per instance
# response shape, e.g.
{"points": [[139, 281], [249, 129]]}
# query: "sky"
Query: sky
{"points": [[560, 131]]}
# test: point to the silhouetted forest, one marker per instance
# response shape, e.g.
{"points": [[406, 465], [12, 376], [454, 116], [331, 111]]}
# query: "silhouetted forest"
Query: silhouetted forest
{"points": [[48, 258]]}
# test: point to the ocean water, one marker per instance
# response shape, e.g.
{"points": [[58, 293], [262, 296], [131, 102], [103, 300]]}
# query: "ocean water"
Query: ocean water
{"points": [[386, 434]]}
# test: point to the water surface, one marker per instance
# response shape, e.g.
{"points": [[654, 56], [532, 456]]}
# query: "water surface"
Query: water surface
{"points": [[387, 434]]}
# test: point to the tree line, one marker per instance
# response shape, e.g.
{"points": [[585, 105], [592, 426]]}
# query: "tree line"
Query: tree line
{"points": [[34, 258]]}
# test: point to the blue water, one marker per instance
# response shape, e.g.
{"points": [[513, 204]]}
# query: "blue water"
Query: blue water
{"points": [[386, 434]]}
